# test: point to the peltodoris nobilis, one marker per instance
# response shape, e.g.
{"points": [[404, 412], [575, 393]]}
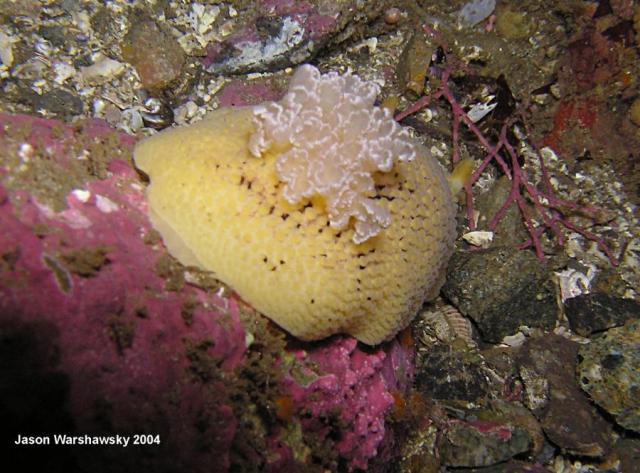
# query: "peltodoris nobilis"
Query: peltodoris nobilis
{"points": [[319, 210]]}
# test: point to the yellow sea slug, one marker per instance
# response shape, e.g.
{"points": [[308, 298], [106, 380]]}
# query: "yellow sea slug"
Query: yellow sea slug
{"points": [[318, 210]]}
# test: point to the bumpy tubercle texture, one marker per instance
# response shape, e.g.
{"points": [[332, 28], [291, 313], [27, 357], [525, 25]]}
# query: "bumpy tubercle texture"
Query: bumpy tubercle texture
{"points": [[221, 208], [331, 140]]}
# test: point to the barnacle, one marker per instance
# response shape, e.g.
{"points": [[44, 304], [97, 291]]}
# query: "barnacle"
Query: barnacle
{"points": [[319, 211]]}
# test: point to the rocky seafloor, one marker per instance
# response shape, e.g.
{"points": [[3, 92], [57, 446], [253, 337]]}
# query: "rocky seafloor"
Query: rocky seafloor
{"points": [[519, 365]]}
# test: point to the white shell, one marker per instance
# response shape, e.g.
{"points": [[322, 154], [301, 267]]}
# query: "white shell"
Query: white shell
{"points": [[103, 68], [479, 238]]}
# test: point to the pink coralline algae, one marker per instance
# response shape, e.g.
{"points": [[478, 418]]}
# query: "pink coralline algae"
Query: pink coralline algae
{"points": [[102, 336], [116, 336], [359, 386], [238, 93]]}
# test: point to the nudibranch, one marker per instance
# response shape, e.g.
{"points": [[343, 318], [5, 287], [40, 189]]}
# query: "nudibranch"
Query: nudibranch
{"points": [[318, 210]]}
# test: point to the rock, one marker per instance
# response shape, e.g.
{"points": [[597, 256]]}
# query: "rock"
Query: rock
{"points": [[589, 313], [470, 437], [58, 103], [28, 8], [414, 64], [156, 55], [476, 444], [480, 442], [104, 23], [512, 24], [510, 232], [242, 92], [55, 34], [511, 466], [634, 112], [628, 450], [102, 333], [501, 289], [609, 370], [445, 373], [475, 11], [546, 366], [103, 69], [281, 34]]}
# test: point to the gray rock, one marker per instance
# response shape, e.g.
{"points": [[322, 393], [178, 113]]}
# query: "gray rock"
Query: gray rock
{"points": [[609, 370], [483, 439], [501, 289], [589, 313], [58, 102], [628, 450], [444, 373], [55, 34], [547, 367]]}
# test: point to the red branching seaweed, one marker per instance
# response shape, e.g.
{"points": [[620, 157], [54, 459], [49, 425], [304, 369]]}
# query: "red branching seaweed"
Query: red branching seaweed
{"points": [[549, 208]]}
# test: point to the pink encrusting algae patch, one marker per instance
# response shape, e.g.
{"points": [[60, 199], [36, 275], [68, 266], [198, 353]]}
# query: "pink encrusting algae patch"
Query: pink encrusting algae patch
{"points": [[357, 384], [116, 329]]}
